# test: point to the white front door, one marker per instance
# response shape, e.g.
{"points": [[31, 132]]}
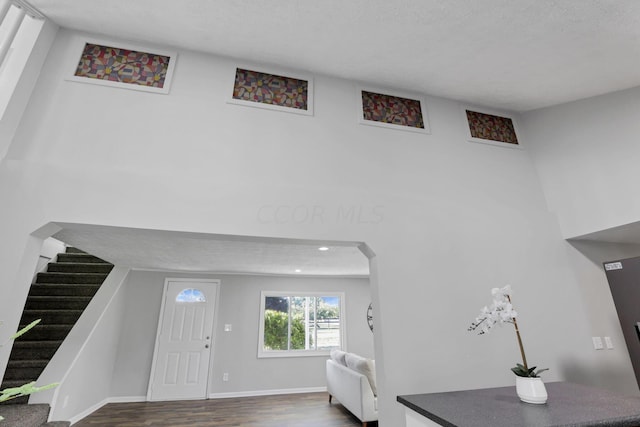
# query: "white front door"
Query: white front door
{"points": [[180, 368]]}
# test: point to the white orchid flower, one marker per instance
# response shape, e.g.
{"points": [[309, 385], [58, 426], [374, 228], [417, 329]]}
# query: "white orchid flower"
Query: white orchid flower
{"points": [[499, 312], [503, 292]]}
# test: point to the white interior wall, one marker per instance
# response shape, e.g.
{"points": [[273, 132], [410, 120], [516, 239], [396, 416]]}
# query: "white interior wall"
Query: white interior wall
{"points": [[50, 250], [587, 155], [91, 371], [452, 219], [234, 352], [19, 74], [143, 296]]}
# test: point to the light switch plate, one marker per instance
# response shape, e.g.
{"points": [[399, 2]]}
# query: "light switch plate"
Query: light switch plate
{"points": [[608, 343], [597, 343], [227, 327]]}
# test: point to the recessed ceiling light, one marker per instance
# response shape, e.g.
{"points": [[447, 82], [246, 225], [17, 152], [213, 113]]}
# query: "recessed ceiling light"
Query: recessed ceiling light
{"points": [[298, 270], [323, 248]]}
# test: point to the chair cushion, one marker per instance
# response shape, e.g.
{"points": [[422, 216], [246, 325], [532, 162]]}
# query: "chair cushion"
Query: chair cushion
{"points": [[338, 356], [363, 366]]}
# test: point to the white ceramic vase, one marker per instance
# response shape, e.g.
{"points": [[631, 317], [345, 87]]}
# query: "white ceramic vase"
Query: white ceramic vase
{"points": [[531, 390]]}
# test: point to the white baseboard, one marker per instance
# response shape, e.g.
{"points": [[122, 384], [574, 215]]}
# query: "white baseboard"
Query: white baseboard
{"points": [[267, 392], [92, 409], [88, 411], [127, 399]]}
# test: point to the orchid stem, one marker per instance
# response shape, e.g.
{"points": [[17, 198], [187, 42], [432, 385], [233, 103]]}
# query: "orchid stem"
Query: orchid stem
{"points": [[515, 324]]}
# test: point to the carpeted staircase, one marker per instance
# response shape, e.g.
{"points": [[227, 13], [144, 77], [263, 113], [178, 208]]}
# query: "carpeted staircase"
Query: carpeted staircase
{"points": [[58, 297]]}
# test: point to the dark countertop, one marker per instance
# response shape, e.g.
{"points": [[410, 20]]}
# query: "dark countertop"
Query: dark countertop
{"points": [[568, 405]]}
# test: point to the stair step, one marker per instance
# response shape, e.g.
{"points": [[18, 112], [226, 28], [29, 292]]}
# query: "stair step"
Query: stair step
{"points": [[23, 350], [10, 419], [25, 370], [87, 267], [58, 298], [55, 289], [18, 401], [25, 415], [24, 375], [31, 363], [80, 278], [46, 332], [57, 317], [56, 303], [73, 250], [81, 258]]}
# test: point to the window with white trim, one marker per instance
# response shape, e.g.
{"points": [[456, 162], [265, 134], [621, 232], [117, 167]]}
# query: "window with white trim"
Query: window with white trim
{"points": [[301, 323]]}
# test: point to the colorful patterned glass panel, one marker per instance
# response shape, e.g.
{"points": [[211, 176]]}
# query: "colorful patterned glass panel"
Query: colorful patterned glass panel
{"points": [[270, 89], [493, 128], [123, 66], [392, 110], [191, 295]]}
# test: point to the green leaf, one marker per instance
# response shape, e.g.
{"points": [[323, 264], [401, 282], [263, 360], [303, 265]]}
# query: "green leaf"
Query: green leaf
{"points": [[24, 390], [10, 393], [520, 371], [25, 329]]}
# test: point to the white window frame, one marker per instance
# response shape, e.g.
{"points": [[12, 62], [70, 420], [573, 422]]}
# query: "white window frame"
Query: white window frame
{"points": [[262, 353]]}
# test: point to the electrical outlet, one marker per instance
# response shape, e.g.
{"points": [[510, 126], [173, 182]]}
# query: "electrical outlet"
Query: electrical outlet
{"points": [[225, 376]]}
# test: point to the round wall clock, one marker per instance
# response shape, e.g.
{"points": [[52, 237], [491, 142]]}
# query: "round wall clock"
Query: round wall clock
{"points": [[370, 316]]}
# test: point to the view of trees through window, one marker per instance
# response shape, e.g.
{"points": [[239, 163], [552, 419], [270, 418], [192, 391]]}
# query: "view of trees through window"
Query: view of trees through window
{"points": [[301, 323]]}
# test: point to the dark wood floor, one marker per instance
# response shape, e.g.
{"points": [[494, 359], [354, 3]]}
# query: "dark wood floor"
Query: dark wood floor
{"points": [[304, 410]]}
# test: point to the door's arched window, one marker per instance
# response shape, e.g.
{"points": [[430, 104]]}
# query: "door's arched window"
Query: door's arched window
{"points": [[191, 295]]}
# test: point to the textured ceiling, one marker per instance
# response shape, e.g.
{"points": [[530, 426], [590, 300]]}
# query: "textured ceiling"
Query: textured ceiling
{"points": [[510, 54], [196, 252]]}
